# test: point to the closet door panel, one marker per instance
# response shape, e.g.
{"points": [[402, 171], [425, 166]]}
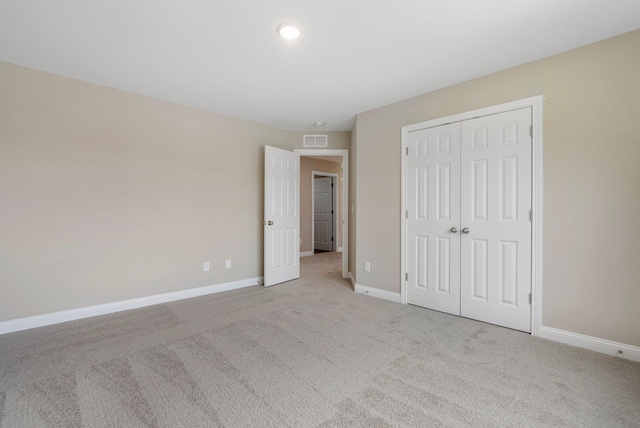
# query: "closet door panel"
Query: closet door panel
{"points": [[433, 202], [495, 202]]}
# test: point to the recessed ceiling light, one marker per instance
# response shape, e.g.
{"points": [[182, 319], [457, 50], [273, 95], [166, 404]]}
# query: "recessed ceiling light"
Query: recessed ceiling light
{"points": [[288, 31], [318, 124]]}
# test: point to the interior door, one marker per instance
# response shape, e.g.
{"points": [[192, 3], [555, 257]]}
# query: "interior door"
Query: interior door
{"points": [[323, 213], [281, 216], [433, 218], [495, 219]]}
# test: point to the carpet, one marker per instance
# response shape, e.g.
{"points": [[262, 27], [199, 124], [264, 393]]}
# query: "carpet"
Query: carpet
{"points": [[306, 353]]}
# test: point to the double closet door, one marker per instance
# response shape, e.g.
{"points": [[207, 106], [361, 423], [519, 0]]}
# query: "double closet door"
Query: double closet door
{"points": [[469, 218]]}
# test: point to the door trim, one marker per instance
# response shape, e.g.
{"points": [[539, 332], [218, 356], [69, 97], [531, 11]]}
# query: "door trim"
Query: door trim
{"points": [[345, 197], [334, 202], [536, 104]]}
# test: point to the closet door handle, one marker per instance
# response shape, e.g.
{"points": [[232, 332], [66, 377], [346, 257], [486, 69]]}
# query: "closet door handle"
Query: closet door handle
{"points": [[466, 230], [454, 229]]}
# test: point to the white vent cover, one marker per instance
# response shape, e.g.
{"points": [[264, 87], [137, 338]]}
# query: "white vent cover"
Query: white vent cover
{"points": [[314, 141]]}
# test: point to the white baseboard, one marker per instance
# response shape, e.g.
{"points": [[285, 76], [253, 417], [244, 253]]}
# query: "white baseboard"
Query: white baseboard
{"points": [[306, 253], [109, 308], [604, 346], [339, 250], [376, 292]]}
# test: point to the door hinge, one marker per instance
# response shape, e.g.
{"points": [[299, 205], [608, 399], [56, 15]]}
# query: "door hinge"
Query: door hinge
{"points": [[407, 151], [331, 184], [531, 131], [406, 277], [530, 299], [332, 239], [406, 213], [530, 215], [331, 211]]}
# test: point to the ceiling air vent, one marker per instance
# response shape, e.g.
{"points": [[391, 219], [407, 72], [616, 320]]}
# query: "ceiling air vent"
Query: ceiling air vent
{"points": [[314, 141]]}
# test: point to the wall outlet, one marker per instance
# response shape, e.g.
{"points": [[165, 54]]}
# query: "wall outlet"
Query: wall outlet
{"points": [[227, 264], [206, 266], [367, 267]]}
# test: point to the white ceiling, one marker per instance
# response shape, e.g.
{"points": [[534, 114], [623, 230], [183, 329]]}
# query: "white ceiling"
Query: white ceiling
{"points": [[353, 55]]}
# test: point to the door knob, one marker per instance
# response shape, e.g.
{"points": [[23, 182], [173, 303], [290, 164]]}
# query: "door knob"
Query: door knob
{"points": [[466, 230], [268, 223], [454, 229]]}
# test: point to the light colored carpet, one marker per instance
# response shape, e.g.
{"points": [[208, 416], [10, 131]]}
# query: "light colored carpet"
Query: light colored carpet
{"points": [[306, 353]]}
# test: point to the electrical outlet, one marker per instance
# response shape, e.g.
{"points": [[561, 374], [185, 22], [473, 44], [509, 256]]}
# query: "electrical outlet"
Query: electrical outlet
{"points": [[367, 267], [227, 264], [206, 266]]}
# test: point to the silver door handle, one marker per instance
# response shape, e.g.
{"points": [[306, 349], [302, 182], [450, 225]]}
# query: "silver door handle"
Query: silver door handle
{"points": [[454, 229], [268, 223], [466, 230]]}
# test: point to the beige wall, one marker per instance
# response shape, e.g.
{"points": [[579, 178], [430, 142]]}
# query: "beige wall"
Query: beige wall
{"points": [[108, 195], [307, 165], [591, 251]]}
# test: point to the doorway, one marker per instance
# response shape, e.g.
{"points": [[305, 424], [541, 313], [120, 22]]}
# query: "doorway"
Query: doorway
{"points": [[324, 209], [341, 198]]}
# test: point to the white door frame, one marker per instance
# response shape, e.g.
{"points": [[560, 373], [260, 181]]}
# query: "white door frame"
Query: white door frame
{"points": [[334, 201], [345, 197], [536, 199]]}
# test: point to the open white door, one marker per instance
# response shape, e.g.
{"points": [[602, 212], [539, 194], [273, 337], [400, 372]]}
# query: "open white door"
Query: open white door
{"points": [[281, 215]]}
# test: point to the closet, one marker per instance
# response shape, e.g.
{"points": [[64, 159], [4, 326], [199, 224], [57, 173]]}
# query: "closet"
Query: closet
{"points": [[468, 218]]}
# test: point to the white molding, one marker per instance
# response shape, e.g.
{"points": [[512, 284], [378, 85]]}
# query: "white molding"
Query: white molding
{"points": [[345, 197], [485, 111], [339, 250], [536, 104], [604, 346], [306, 253], [536, 207], [403, 222], [376, 292], [109, 308]]}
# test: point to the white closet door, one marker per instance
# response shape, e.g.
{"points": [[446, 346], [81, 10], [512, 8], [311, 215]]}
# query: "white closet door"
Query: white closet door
{"points": [[433, 198], [495, 204]]}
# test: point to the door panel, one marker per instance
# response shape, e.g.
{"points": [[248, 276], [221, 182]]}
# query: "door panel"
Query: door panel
{"points": [[323, 215], [479, 260], [281, 216], [433, 198], [495, 202]]}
